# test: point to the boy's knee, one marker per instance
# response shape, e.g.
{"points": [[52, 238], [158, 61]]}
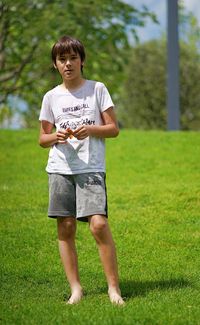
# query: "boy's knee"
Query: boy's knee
{"points": [[98, 225], [66, 228]]}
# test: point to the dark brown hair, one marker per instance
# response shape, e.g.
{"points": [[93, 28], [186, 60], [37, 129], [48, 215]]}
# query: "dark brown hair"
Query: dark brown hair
{"points": [[67, 44]]}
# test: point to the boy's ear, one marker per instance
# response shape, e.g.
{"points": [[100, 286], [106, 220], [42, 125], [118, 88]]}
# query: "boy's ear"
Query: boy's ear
{"points": [[55, 66]]}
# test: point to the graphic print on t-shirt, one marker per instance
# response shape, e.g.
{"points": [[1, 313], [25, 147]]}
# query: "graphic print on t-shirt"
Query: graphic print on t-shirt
{"points": [[75, 115]]}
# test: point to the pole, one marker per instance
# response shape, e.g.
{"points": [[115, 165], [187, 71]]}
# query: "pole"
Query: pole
{"points": [[173, 67]]}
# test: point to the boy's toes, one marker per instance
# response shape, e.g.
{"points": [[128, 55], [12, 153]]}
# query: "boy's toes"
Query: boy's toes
{"points": [[115, 298], [75, 298]]}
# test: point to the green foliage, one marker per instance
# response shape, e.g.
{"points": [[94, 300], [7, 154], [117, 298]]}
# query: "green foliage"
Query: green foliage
{"points": [[30, 28], [144, 95], [154, 210], [189, 29], [5, 114]]}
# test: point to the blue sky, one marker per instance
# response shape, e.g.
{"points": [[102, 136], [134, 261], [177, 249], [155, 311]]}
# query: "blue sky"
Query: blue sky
{"points": [[159, 7]]}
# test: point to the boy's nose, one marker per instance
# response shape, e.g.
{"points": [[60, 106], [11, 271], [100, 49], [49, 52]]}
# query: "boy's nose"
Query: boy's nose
{"points": [[68, 62]]}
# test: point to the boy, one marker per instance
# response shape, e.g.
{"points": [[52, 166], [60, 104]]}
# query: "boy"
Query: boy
{"points": [[82, 112]]}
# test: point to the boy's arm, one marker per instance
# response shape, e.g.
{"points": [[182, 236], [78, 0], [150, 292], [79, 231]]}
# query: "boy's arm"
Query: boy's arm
{"points": [[47, 138], [109, 129]]}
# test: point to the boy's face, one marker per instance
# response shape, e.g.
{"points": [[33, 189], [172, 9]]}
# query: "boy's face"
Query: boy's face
{"points": [[69, 66]]}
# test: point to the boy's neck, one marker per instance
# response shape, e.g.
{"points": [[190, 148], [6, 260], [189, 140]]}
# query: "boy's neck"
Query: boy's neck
{"points": [[73, 84]]}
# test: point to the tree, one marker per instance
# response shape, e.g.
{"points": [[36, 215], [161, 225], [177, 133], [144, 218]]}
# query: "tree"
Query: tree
{"points": [[143, 96], [143, 103], [29, 29], [189, 29]]}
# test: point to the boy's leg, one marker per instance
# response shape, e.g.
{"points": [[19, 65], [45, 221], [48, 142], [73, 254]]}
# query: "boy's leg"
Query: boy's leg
{"points": [[102, 234], [68, 254]]}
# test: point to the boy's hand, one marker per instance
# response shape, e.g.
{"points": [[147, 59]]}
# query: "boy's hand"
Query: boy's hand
{"points": [[63, 135], [71, 133], [82, 132]]}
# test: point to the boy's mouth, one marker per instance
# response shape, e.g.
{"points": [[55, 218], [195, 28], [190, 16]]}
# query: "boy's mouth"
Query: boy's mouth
{"points": [[68, 72]]}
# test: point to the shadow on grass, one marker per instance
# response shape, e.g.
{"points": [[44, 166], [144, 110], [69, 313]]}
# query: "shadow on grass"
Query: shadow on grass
{"points": [[132, 289]]}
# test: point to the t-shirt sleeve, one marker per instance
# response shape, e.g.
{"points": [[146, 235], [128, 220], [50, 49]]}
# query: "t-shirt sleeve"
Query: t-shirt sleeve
{"points": [[46, 111], [105, 100]]}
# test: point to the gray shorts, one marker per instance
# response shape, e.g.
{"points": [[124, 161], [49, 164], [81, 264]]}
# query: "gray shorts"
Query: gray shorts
{"points": [[78, 196]]}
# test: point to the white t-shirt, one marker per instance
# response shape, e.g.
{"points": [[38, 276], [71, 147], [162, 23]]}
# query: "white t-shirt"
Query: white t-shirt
{"points": [[64, 109]]}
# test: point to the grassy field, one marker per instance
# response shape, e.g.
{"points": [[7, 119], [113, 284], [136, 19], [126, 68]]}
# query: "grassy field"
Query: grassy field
{"points": [[153, 181]]}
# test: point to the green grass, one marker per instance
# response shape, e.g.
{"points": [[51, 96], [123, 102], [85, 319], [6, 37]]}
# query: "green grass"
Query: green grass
{"points": [[153, 181]]}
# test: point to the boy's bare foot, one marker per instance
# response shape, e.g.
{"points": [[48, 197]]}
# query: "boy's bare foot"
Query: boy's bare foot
{"points": [[76, 296], [115, 297]]}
